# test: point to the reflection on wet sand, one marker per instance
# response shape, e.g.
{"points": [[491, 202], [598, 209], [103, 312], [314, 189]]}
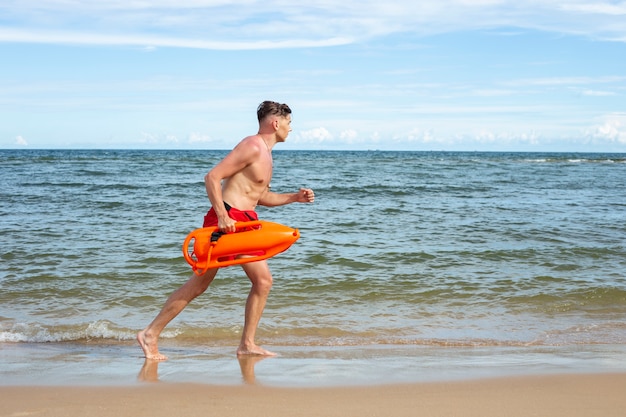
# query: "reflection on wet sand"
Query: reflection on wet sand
{"points": [[150, 370], [247, 363]]}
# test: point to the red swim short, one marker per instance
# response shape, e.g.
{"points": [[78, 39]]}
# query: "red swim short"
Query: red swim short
{"points": [[210, 219], [240, 215]]}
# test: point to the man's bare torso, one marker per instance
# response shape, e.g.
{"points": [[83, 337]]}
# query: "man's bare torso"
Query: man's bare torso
{"points": [[244, 189]]}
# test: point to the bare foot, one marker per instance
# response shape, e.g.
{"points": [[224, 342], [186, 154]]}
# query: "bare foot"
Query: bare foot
{"points": [[253, 350], [149, 347]]}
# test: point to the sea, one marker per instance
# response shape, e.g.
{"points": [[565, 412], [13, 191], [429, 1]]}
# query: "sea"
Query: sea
{"points": [[411, 267]]}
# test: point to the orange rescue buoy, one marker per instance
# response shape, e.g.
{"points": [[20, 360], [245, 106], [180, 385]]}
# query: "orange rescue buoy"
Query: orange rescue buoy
{"points": [[253, 241]]}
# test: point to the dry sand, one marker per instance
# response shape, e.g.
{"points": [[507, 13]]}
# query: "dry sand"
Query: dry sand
{"points": [[601, 395]]}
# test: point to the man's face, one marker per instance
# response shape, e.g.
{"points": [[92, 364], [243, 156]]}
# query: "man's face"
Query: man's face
{"points": [[284, 127]]}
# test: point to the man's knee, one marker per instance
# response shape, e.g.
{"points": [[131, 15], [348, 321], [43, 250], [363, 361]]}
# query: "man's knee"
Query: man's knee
{"points": [[199, 284], [263, 283], [260, 276]]}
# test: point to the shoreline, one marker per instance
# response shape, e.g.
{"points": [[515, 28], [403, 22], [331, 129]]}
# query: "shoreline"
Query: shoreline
{"points": [[74, 380], [573, 395], [122, 364]]}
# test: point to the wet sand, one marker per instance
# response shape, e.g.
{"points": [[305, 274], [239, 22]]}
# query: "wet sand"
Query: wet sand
{"points": [[545, 395]]}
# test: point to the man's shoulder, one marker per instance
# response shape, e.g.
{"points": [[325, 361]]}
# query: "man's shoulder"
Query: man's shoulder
{"points": [[248, 148], [252, 140]]}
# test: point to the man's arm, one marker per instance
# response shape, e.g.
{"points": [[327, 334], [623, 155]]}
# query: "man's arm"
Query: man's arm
{"points": [[271, 199]]}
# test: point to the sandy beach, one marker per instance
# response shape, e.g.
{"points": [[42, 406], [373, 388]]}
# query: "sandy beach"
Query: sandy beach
{"points": [[552, 395]]}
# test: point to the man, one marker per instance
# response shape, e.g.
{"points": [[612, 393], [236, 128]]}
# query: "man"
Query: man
{"points": [[235, 186]]}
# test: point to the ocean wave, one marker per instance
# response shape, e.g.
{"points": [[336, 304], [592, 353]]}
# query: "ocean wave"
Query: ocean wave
{"points": [[106, 332], [38, 333], [592, 159]]}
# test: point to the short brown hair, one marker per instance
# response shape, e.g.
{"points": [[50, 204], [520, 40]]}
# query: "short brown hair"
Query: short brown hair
{"points": [[271, 107]]}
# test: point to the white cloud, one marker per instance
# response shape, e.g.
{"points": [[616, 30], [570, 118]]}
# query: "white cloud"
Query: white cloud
{"points": [[596, 93], [597, 8], [612, 130], [557, 81], [148, 138], [317, 135], [20, 141], [171, 139], [348, 136], [418, 136], [151, 42], [248, 24], [199, 138]]}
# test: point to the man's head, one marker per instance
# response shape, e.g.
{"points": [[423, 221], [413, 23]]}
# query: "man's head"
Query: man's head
{"points": [[271, 108], [274, 118]]}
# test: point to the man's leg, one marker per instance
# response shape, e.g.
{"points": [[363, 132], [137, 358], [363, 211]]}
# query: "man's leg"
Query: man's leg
{"points": [[261, 279], [148, 337]]}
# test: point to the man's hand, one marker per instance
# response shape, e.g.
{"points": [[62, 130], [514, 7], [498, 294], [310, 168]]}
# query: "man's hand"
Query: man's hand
{"points": [[226, 225], [306, 195]]}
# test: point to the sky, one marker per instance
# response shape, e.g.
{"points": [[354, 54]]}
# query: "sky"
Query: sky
{"points": [[456, 75]]}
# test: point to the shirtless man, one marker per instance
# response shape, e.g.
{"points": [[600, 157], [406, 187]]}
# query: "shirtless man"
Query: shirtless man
{"points": [[235, 186]]}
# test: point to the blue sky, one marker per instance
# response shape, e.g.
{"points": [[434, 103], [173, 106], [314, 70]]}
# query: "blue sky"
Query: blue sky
{"points": [[494, 75]]}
